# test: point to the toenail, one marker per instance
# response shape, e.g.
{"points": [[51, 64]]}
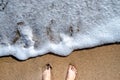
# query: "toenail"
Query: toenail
{"points": [[49, 66]]}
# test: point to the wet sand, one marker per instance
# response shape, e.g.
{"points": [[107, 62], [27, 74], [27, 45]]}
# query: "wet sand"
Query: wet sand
{"points": [[101, 63]]}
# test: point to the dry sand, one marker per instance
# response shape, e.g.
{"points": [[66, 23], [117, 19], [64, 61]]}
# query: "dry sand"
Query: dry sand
{"points": [[101, 63]]}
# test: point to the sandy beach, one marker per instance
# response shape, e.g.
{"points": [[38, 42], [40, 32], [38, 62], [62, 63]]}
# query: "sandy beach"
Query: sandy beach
{"points": [[101, 63]]}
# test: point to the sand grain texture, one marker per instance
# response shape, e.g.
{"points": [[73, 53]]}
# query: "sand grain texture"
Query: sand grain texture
{"points": [[102, 63]]}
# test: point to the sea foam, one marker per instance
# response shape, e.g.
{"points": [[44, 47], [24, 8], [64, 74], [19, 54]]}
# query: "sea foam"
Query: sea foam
{"points": [[30, 28]]}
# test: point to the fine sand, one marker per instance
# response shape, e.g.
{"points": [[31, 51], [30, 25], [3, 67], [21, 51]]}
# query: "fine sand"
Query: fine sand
{"points": [[101, 63]]}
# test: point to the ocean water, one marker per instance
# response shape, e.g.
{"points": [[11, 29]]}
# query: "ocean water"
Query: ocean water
{"points": [[29, 28]]}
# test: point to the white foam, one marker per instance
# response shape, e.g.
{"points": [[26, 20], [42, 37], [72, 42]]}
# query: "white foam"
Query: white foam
{"points": [[56, 26], [102, 34]]}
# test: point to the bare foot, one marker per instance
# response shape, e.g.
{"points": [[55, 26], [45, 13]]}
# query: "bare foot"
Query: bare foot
{"points": [[71, 74], [47, 73]]}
